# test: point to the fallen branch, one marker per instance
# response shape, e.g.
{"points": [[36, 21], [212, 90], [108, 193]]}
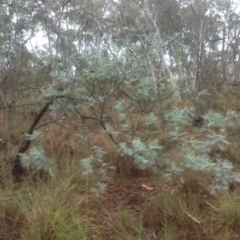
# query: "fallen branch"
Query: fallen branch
{"points": [[193, 218], [210, 205]]}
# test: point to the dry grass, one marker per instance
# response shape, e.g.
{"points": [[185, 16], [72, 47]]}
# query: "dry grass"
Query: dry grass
{"points": [[227, 98], [137, 204]]}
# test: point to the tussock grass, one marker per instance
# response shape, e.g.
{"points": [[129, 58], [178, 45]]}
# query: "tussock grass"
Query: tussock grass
{"points": [[227, 214]]}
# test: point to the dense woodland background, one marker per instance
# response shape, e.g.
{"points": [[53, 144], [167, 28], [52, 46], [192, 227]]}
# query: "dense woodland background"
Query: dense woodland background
{"points": [[119, 119]]}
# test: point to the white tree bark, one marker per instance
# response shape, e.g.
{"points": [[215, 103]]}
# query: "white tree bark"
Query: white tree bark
{"points": [[161, 54]]}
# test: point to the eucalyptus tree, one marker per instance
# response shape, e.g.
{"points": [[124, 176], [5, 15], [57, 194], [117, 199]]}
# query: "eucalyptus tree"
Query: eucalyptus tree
{"points": [[234, 43], [229, 19]]}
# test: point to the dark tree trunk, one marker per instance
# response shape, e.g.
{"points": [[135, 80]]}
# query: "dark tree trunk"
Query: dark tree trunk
{"points": [[18, 171]]}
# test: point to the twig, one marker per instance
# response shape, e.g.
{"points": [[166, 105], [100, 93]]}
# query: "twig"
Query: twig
{"points": [[193, 218], [214, 208]]}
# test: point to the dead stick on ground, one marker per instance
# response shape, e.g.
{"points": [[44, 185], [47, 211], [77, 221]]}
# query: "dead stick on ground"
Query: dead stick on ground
{"points": [[214, 208], [196, 221], [193, 218]]}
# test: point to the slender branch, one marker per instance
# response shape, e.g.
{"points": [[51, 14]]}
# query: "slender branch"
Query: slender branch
{"points": [[100, 120]]}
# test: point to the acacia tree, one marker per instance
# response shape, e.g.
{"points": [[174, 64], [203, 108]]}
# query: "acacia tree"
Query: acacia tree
{"points": [[112, 56]]}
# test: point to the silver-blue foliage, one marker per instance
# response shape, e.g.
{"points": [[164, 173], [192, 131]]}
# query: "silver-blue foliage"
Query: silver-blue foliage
{"points": [[36, 159]]}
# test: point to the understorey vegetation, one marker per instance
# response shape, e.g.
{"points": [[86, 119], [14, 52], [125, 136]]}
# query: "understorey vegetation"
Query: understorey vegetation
{"points": [[120, 120]]}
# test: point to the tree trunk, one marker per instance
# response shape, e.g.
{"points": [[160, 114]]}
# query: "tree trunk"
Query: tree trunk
{"points": [[18, 171]]}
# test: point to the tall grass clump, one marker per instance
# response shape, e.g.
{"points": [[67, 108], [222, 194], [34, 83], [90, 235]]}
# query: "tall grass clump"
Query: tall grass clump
{"points": [[227, 214]]}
